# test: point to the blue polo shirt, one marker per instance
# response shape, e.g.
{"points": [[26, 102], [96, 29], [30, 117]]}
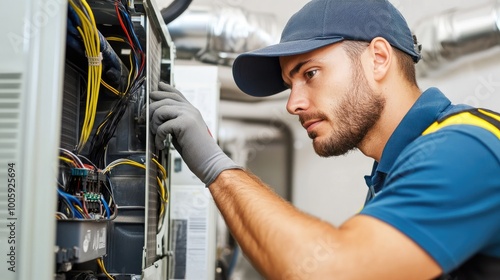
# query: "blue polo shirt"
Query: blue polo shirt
{"points": [[442, 190]]}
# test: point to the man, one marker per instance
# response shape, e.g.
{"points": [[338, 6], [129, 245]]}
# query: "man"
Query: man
{"points": [[434, 200]]}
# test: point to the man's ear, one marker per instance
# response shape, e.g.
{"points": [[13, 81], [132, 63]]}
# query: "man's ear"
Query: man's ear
{"points": [[381, 53]]}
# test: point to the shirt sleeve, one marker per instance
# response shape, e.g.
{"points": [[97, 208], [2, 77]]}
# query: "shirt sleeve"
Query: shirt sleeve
{"points": [[443, 192]]}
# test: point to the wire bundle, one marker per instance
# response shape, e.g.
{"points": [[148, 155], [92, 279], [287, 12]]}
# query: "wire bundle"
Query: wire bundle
{"points": [[160, 179], [100, 262], [87, 28], [162, 190], [107, 127], [128, 29]]}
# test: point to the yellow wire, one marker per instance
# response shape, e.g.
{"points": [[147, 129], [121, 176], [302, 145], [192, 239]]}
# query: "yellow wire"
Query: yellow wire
{"points": [[124, 161], [112, 89], [162, 190], [113, 38], [90, 36], [67, 160], [130, 73], [100, 262], [118, 39], [162, 169], [163, 196], [80, 210], [103, 122]]}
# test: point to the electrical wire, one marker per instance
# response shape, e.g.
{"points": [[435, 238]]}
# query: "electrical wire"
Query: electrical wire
{"points": [[85, 210], [136, 77], [100, 262], [67, 200], [122, 161], [82, 212], [67, 160], [105, 204], [109, 125], [127, 27], [113, 90], [90, 36], [110, 88], [73, 157], [77, 205], [162, 190], [61, 216]]}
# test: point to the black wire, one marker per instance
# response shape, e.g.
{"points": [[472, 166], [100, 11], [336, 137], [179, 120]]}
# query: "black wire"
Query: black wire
{"points": [[70, 214], [174, 10], [99, 142]]}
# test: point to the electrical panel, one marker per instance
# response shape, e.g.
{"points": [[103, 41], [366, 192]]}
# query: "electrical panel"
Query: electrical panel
{"points": [[112, 183], [86, 193]]}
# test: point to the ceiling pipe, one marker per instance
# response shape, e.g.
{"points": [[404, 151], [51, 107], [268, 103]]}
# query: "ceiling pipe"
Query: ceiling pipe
{"points": [[217, 34], [457, 33]]}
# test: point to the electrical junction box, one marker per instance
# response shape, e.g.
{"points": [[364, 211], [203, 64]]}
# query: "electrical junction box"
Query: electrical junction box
{"points": [[80, 241]]}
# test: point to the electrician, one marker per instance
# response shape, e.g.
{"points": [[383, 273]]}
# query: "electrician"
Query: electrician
{"points": [[433, 210]]}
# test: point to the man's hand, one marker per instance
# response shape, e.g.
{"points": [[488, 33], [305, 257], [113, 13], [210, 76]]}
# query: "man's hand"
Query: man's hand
{"points": [[171, 113]]}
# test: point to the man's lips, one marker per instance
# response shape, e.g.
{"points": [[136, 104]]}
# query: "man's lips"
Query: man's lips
{"points": [[311, 124]]}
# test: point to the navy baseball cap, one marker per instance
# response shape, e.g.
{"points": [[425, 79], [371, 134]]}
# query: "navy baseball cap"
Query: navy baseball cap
{"points": [[317, 24]]}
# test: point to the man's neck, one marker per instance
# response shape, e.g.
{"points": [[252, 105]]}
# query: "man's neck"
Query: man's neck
{"points": [[398, 103]]}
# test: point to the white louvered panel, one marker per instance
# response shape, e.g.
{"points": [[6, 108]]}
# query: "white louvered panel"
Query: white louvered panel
{"points": [[10, 118], [10, 85]]}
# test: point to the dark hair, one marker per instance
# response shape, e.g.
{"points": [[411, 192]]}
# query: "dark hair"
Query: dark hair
{"points": [[405, 61]]}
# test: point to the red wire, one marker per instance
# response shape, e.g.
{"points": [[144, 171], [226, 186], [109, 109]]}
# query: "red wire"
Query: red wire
{"points": [[123, 25], [85, 207], [143, 61]]}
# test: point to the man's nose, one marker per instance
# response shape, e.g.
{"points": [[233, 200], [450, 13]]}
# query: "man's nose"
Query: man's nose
{"points": [[297, 101]]}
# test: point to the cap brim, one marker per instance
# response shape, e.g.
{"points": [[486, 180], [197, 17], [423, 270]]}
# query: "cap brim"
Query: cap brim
{"points": [[258, 73]]}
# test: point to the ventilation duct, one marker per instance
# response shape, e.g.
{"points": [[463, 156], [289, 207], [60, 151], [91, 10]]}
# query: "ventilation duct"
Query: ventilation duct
{"points": [[455, 34], [217, 34]]}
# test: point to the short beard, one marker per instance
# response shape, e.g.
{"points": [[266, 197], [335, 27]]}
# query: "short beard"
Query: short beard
{"points": [[353, 117]]}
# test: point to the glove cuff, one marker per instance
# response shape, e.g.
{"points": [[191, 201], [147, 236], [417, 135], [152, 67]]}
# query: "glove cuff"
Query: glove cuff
{"points": [[211, 180], [219, 163]]}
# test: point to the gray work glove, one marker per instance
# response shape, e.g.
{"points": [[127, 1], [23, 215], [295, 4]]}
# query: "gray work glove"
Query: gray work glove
{"points": [[171, 113]]}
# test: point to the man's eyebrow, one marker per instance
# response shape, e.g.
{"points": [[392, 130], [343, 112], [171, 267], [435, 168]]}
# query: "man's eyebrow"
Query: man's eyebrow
{"points": [[297, 67]]}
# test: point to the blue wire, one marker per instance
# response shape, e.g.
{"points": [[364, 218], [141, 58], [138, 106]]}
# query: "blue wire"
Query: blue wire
{"points": [[105, 206], [68, 199], [74, 199], [131, 28]]}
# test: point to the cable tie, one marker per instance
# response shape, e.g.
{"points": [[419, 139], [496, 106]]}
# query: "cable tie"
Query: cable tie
{"points": [[94, 60]]}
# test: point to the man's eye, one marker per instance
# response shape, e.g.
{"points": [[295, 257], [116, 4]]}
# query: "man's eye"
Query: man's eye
{"points": [[310, 74]]}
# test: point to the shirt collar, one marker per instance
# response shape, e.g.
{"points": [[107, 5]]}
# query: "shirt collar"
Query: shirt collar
{"points": [[421, 115]]}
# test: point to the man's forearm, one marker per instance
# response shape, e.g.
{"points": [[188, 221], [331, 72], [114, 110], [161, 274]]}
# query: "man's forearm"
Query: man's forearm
{"points": [[285, 243], [279, 240]]}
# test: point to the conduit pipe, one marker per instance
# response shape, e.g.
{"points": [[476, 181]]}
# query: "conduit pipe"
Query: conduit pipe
{"points": [[455, 34], [217, 34]]}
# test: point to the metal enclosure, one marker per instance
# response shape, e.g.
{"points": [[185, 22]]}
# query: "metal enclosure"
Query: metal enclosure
{"points": [[43, 87]]}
